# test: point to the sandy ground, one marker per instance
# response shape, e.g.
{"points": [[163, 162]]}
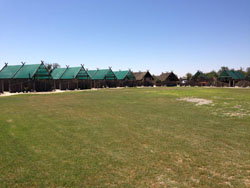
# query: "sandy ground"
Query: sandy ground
{"points": [[6, 94], [198, 101]]}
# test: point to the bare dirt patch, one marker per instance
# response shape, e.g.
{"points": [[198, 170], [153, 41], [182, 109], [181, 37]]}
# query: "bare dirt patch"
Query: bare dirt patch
{"points": [[198, 101], [6, 94], [235, 114], [9, 120]]}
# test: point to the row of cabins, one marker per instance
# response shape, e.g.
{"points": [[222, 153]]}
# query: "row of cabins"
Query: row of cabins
{"points": [[81, 78], [36, 77], [226, 78]]}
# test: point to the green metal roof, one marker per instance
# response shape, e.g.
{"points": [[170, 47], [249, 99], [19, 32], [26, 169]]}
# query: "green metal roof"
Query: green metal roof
{"points": [[57, 73], [199, 74], [104, 74], [42, 73], [91, 73], [9, 71], [35, 71], [121, 75], [27, 71], [83, 74], [239, 74], [70, 73], [235, 75]]}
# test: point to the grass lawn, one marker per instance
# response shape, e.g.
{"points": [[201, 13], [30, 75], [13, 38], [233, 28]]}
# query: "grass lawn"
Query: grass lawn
{"points": [[136, 137]]}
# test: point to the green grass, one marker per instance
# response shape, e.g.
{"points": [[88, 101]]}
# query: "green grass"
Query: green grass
{"points": [[138, 137]]}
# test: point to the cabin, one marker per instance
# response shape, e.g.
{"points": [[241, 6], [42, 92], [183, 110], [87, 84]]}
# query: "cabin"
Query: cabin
{"points": [[6, 76], [56, 75], [168, 79], [71, 78], [157, 81], [103, 78], [230, 77], [25, 77], [125, 78], [144, 78], [199, 79]]}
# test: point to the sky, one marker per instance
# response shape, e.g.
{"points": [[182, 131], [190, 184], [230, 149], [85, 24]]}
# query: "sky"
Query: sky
{"points": [[157, 35]]}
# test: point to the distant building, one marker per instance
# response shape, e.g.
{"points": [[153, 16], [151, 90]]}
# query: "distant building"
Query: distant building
{"points": [[231, 77], [103, 78], [125, 78], [71, 78], [199, 79], [144, 78], [168, 79]]}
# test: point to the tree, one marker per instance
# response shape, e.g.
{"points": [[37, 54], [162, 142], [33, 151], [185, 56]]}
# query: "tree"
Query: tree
{"points": [[48, 66], [189, 76], [222, 69], [248, 70], [212, 75], [53, 66], [241, 70]]}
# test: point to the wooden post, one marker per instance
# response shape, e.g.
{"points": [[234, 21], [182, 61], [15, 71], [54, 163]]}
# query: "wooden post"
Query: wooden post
{"points": [[2, 85], [77, 84], [45, 85], [34, 85], [68, 84], [9, 86], [233, 83], [60, 84], [21, 86], [54, 84]]}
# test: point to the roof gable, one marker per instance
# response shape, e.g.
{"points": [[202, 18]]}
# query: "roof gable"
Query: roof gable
{"points": [[199, 75], [139, 75], [42, 73], [35, 71], [142, 75], [91, 73], [121, 75], [130, 75], [168, 76], [104, 74], [83, 74]]}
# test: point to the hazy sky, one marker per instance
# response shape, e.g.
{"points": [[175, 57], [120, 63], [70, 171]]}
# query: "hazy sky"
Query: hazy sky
{"points": [[159, 35]]}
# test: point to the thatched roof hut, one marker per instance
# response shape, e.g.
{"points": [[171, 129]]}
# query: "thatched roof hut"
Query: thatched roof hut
{"points": [[168, 76], [168, 79], [142, 76]]}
